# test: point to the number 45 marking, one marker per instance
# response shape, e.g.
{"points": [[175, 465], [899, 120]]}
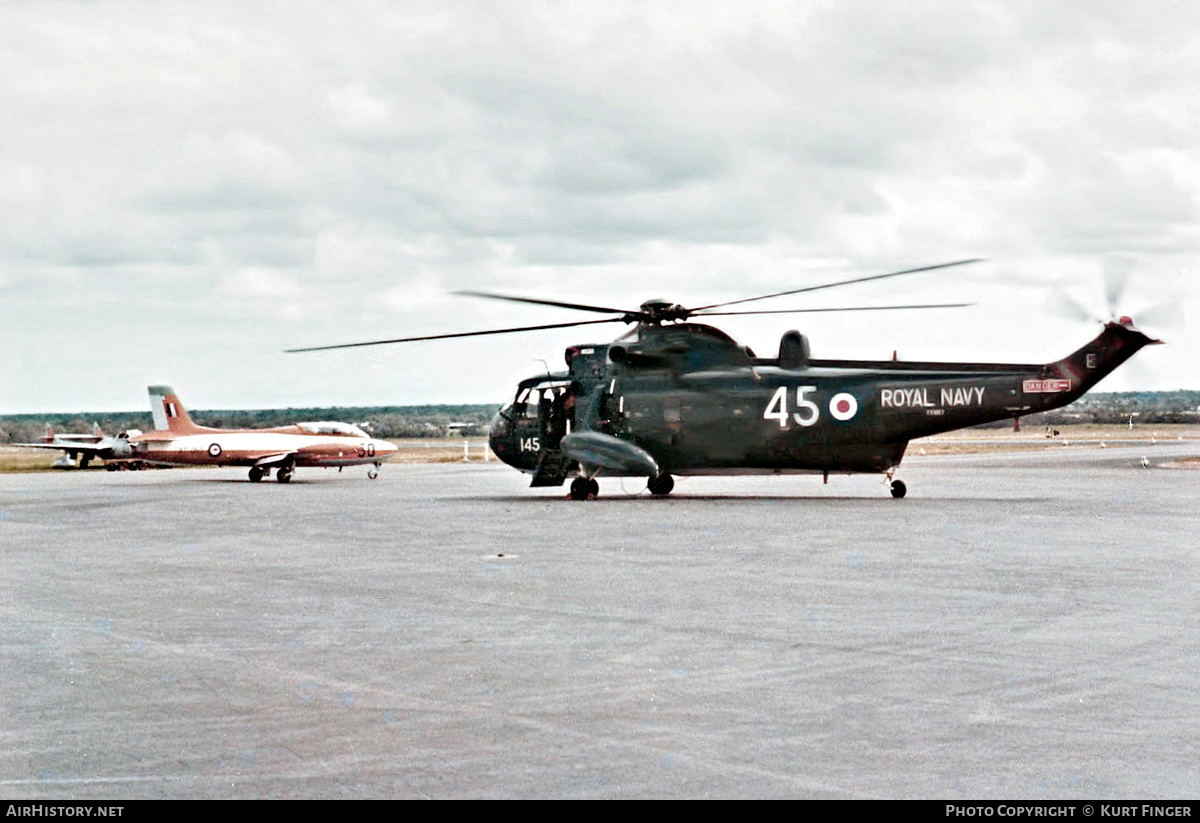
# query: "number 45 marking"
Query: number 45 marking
{"points": [[808, 412]]}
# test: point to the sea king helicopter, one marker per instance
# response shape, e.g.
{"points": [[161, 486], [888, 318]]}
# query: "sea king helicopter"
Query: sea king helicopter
{"points": [[676, 397]]}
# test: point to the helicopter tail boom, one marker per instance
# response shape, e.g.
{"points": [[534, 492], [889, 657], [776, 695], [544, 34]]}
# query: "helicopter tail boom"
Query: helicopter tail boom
{"points": [[944, 397]]}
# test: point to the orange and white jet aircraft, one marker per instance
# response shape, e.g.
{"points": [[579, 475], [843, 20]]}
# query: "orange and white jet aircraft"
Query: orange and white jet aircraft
{"points": [[177, 441]]}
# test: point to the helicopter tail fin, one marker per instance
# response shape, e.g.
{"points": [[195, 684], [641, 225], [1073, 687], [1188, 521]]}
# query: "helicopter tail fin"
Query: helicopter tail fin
{"points": [[1086, 367]]}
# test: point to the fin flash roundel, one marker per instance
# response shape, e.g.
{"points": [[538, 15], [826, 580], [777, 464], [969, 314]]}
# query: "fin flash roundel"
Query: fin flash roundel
{"points": [[843, 406]]}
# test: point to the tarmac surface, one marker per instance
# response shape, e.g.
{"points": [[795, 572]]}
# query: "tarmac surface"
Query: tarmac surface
{"points": [[1020, 626]]}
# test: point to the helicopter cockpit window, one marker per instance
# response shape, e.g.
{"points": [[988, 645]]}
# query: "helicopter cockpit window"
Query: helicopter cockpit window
{"points": [[536, 402], [526, 404]]}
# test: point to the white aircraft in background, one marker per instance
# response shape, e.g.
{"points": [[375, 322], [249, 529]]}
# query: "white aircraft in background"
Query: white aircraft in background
{"points": [[177, 441], [84, 446]]}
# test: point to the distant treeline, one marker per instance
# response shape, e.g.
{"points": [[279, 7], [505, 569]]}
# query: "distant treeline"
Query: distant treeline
{"points": [[1180, 406], [381, 421]]}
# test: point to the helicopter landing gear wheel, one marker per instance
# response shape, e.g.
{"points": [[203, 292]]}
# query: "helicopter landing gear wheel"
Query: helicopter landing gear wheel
{"points": [[579, 489], [284, 475], [256, 474], [583, 488], [660, 485], [899, 489]]}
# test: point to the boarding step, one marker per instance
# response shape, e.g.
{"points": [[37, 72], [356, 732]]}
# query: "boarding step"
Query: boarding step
{"points": [[552, 469]]}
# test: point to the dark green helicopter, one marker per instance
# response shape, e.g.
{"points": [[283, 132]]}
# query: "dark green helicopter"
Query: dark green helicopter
{"points": [[674, 397]]}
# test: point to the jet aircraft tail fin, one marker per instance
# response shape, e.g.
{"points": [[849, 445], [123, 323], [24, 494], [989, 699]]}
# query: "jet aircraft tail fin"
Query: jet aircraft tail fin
{"points": [[169, 414]]}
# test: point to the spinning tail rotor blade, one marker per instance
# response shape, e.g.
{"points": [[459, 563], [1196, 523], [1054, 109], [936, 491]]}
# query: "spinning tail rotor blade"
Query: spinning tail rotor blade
{"points": [[1116, 277], [1061, 304], [1165, 315], [1118, 271]]}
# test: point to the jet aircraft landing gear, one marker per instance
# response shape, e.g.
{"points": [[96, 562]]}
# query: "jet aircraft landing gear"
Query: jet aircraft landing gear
{"points": [[898, 489], [284, 475], [373, 472], [584, 488], [660, 485], [257, 473]]}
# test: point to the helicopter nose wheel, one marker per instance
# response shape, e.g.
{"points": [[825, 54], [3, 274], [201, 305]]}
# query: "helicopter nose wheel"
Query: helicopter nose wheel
{"points": [[661, 484], [584, 488], [898, 489]]}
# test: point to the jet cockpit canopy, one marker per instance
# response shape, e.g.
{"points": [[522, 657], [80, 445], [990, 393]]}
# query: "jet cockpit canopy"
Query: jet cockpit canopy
{"points": [[332, 427]]}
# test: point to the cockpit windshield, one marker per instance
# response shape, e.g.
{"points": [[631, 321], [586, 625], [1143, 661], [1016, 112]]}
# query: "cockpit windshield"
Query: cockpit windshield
{"points": [[532, 400], [334, 428]]}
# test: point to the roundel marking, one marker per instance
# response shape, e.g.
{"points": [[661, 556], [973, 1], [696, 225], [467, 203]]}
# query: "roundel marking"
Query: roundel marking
{"points": [[843, 406], [215, 450]]}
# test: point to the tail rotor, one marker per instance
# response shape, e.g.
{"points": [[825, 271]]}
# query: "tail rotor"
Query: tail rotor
{"points": [[1164, 315]]}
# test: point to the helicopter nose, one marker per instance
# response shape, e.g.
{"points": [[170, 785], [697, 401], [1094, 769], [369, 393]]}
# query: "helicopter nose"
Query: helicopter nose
{"points": [[502, 440], [499, 435]]}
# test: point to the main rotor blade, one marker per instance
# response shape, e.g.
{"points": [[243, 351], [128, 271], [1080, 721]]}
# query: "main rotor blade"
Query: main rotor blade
{"points": [[457, 334], [538, 302], [843, 308], [842, 283]]}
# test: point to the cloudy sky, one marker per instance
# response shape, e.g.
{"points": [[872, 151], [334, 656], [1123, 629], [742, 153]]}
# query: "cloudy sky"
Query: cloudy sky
{"points": [[187, 189]]}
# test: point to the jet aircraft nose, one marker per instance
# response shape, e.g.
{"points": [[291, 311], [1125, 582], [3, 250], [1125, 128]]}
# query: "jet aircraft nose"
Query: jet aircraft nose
{"points": [[385, 448]]}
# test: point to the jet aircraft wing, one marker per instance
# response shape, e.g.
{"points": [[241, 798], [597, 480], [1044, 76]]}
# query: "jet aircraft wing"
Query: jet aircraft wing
{"points": [[66, 447], [273, 459]]}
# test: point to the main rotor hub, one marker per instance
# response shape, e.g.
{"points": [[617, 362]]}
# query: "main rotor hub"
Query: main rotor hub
{"points": [[657, 310]]}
